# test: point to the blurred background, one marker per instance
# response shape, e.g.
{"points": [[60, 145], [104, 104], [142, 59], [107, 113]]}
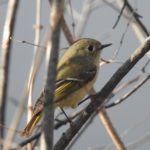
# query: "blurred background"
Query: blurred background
{"points": [[130, 118]]}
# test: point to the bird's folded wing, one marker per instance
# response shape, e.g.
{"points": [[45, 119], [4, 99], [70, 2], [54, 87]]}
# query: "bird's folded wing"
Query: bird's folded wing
{"points": [[65, 87]]}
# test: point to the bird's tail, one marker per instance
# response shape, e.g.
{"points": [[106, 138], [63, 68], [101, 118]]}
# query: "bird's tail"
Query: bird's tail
{"points": [[31, 125]]}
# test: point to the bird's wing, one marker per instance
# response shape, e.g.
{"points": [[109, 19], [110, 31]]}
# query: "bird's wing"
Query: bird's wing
{"points": [[65, 87]]}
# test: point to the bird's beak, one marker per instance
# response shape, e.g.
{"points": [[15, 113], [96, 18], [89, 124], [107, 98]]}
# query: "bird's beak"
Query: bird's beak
{"points": [[105, 45]]}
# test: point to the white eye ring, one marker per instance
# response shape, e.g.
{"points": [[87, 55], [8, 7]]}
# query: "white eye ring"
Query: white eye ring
{"points": [[91, 48]]}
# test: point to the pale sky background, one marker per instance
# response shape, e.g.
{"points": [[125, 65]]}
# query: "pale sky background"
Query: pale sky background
{"points": [[132, 116]]}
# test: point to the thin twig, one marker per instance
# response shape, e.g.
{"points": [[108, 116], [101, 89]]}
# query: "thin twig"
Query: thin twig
{"points": [[121, 41], [72, 17], [111, 5], [144, 67], [103, 61], [119, 16], [127, 26], [37, 28], [126, 84], [121, 87], [118, 101], [26, 42], [111, 130], [4, 58], [66, 31], [137, 18]]}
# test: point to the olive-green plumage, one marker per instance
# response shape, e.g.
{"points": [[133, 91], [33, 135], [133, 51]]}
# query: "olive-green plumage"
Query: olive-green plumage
{"points": [[76, 74]]}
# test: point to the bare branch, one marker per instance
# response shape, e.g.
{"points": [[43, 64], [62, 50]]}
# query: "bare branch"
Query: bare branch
{"points": [[4, 58], [57, 7]]}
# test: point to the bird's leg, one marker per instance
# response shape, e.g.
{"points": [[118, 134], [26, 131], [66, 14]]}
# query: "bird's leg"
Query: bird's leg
{"points": [[69, 120], [85, 99]]}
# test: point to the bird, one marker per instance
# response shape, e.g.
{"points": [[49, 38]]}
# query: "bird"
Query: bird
{"points": [[77, 71]]}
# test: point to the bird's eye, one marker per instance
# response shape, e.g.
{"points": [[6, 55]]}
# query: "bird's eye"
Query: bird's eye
{"points": [[91, 48]]}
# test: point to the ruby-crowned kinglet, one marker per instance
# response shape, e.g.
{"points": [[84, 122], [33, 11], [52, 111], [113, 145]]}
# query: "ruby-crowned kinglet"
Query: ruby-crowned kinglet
{"points": [[77, 72]]}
